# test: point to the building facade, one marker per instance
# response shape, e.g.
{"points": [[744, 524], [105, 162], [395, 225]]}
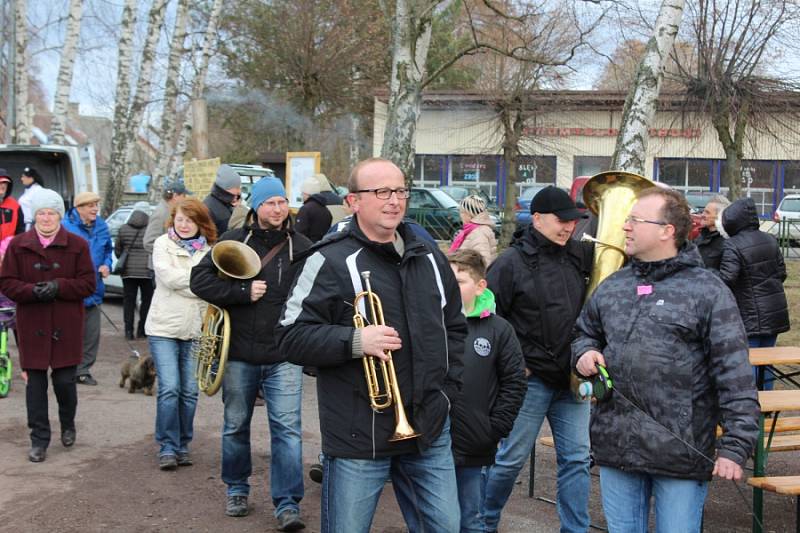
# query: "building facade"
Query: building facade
{"points": [[573, 133]]}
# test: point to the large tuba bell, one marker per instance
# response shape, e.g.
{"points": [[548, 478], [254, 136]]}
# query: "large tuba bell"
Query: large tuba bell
{"points": [[381, 397], [610, 196], [233, 259]]}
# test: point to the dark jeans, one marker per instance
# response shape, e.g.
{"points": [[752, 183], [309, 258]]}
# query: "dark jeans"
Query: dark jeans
{"points": [[36, 402], [130, 288], [91, 339]]}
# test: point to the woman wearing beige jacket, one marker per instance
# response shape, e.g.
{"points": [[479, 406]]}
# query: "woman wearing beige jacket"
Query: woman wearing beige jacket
{"points": [[175, 318], [478, 231]]}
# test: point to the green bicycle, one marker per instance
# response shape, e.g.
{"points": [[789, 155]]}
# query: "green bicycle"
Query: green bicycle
{"points": [[6, 316]]}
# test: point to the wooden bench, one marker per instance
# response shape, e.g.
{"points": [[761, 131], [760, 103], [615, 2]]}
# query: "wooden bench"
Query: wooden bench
{"points": [[787, 485]]}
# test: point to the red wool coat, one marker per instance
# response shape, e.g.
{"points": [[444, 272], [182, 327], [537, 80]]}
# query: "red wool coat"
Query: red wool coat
{"points": [[50, 334]]}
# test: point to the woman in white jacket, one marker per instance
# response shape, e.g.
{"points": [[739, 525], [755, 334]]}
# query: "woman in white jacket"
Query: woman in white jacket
{"points": [[32, 182], [175, 318], [478, 231]]}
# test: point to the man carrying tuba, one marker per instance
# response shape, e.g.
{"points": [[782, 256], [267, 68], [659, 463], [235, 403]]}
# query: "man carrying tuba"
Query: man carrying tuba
{"points": [[254, 361], [364, 437]]}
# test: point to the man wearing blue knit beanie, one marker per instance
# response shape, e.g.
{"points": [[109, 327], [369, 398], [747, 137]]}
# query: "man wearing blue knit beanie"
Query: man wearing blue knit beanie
{"points": [[254, 362]]}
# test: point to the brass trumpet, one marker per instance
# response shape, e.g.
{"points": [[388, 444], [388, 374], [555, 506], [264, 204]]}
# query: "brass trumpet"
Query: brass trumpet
{"points": [[381, 399]]}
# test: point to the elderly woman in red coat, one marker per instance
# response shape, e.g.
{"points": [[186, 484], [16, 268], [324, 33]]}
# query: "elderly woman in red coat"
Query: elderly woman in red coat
{"points": [[48, 272]]}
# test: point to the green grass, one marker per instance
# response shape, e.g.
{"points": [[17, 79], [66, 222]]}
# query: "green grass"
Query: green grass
{"points": [[792, 288]]}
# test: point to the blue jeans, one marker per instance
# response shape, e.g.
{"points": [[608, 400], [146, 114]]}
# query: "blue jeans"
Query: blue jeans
{"points": [[281, 386], [626, 501], [763, 341], [177, 393], [424, 485], [569, 421], [471, 485]]}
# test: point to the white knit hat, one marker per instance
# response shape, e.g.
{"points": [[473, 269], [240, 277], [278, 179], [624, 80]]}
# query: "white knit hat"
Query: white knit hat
{"points": [[47, 199], [310, 186]]}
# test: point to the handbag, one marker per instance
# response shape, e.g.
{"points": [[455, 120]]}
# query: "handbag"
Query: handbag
{"points": [[122, 260]]}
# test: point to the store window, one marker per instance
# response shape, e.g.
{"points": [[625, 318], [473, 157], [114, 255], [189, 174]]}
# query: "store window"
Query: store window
{"points": [[472, 169], [791, 177], [536, 169], [428, 170], [672, 172], [589, 165]]}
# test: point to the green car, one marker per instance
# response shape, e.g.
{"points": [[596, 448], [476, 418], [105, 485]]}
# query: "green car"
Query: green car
{"points": [[436, 211]]}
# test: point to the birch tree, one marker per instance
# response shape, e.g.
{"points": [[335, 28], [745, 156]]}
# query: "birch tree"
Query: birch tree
{"points": [[22, 125], [65, 70], [640, 105], [122, 157], [168, 121]]}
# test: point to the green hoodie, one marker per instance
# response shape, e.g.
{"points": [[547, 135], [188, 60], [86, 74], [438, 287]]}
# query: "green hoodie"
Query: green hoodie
{"points": [[484, 305]]}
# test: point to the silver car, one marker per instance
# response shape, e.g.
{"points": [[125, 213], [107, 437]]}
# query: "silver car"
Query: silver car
{"points": [[787, 219]]}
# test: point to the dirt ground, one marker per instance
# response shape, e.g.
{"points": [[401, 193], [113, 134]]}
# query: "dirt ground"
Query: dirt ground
{"points": [[109, 481]]}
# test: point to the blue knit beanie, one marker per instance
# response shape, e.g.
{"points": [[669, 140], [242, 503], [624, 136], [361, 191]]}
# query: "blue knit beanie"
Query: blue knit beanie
{"points": [[264, 189]]}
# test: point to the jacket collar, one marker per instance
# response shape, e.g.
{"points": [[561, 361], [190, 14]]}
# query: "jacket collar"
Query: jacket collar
{"points": [[687, 256], [30, 240], [413, 246]]}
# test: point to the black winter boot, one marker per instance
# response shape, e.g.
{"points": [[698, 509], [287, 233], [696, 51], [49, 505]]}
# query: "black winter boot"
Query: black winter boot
{"points": [[129, 334]]}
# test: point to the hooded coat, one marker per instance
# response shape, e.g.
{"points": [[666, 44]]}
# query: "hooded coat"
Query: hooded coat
{"points": [[219, 203], [752, 266], [50, 334], [678, 358], [314, 219], [131, 238]]}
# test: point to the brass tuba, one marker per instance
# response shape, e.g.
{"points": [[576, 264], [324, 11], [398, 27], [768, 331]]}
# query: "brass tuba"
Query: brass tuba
{"points": [[610, 196], [233, 259], [390, 394]]}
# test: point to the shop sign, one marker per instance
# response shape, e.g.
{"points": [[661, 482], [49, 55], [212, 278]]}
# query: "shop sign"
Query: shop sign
{"points": [[687, 133]]}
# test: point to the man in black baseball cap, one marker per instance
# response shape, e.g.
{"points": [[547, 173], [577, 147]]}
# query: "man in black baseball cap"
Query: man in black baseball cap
{"points": [[539, 284]]}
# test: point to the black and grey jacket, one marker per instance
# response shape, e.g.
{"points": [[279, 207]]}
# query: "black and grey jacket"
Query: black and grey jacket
{"points": [[131, 238], [220, 207], [679, 352], [253, 323], [752, 266], [539, 288], [421, 300]]}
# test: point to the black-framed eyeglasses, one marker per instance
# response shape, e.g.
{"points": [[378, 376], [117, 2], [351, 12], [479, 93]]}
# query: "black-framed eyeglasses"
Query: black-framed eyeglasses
{"points": [[384, 193], [630, 219]]}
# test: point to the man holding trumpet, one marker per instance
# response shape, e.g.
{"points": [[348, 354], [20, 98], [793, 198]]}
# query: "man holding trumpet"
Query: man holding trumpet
{"points": [[254, 361], [369, 437]]}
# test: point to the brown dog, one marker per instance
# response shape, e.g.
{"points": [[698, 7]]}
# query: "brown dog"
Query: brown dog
{"points": [[140, 372]]}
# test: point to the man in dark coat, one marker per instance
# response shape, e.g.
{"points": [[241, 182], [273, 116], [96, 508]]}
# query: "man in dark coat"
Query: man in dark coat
{"points": [[254, 361], [752, 266], [315, 217], [668, 331], [136, 274], [226, 193], [424, 329], [539, 285], [48, 271], [709, 241]]}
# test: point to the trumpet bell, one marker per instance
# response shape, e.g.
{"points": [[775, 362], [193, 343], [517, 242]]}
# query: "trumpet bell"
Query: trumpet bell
{"points": [[235, 259]]}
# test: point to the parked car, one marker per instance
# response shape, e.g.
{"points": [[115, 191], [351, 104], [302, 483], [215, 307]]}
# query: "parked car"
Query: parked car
{"points": [[576, 191], [787, 219], [250, 175], [434, 210], [115, 221]]}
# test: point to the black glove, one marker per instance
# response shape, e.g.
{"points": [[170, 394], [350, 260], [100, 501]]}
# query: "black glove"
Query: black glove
{"points": [[46, 291]]}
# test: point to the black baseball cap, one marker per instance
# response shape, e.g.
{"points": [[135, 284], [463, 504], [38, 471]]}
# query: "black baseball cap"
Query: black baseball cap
{"points": [[176, 187], [556, 201]]}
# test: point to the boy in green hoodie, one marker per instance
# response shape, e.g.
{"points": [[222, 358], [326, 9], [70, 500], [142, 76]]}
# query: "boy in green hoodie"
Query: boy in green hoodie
{"points": [[494, 386]]}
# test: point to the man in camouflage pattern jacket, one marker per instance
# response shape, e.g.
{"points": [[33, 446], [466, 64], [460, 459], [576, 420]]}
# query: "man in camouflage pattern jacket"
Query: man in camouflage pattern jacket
{"points": [[670, 335]]}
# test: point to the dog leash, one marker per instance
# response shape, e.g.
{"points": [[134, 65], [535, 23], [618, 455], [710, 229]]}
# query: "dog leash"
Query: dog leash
{"points": [[748, 505], [133, 350]]}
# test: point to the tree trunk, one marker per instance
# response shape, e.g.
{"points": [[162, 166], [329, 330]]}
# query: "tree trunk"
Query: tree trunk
{"points": [[116, 176], [411, 37], [209, 40], [733, 145], [512, 121], [155, 20], [168, 122], [65, 70], [22, 125], [640, 105]]}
